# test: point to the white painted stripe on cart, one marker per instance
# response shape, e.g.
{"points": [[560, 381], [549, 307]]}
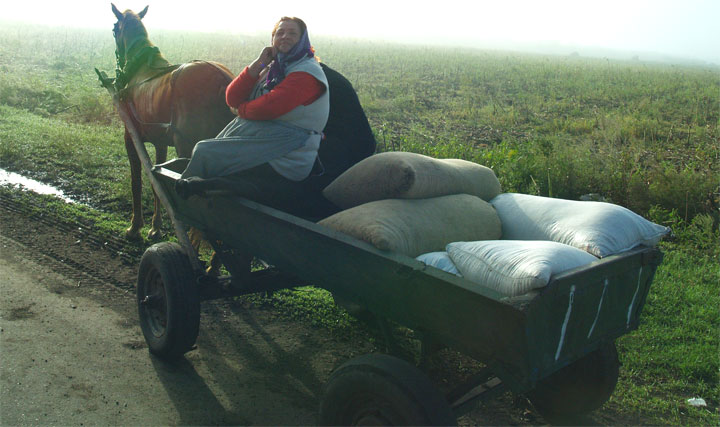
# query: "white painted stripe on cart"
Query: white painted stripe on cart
{"points": [[632, 303], [597, 315], [565, 323]]}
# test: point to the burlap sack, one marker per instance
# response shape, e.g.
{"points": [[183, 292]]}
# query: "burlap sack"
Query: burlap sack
{"points": [[414, 227], [398, 175]]}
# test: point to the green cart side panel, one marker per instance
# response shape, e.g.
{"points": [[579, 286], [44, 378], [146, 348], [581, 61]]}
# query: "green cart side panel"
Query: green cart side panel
{"points": [[582, 308]]}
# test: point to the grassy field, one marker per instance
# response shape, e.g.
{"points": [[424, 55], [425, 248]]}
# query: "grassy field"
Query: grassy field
{"points": [[642, 135]]}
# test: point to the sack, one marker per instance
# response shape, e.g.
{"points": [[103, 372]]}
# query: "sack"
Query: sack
{"points": [[414, 227], [514, 267], [399, 175], [439, 260], [599, 228]]}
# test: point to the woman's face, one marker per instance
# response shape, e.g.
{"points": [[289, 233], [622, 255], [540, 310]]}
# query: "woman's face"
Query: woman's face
{"points": [[286, 36]]}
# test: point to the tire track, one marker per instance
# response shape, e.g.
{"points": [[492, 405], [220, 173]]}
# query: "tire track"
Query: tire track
{"points": [[112, 243], [69, 248]]}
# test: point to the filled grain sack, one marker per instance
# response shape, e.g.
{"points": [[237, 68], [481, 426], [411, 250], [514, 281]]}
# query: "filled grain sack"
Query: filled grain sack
{"points": [[398, 175], [514, 267], [440, 260], [599, 228], [415, 227]]}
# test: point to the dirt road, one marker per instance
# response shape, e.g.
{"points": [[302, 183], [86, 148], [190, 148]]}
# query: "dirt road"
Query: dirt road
{"points": [[72, 352]]}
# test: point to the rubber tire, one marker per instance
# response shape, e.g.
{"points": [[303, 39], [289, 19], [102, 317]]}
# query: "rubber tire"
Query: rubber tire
{"points": [[171, 324], [378, 389], [578, 388]]}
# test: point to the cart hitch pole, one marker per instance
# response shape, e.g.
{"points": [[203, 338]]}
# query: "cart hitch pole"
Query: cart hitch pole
{"points": [[147, 166]]}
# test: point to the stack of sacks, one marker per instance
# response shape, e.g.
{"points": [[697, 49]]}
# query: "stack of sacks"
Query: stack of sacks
{"points": [[415, 227], [544, 237], [414, 204], [398, 175], [599, 228]]}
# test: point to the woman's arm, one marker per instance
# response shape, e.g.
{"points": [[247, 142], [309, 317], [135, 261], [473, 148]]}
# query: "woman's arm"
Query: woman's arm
{"points": [[298, 88], [240, 88]]}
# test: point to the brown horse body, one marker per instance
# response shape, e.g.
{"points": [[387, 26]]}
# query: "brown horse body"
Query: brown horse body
{"points": [[171, 106]]}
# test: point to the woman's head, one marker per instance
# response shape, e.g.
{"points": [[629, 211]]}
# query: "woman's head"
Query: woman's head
{"points": [[287, 33], [291, 43]]}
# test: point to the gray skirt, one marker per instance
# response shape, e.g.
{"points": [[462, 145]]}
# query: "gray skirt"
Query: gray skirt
{"points": [[242, 145]]}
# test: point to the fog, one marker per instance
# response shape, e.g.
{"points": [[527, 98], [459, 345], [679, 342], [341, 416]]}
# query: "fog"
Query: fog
{"points": [[670, 30]]}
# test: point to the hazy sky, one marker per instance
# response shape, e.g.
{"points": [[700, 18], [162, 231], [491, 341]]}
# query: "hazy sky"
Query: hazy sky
{"points": [[683, 28]]}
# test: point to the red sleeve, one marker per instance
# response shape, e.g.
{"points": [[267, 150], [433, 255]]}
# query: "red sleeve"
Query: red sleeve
{"points": [[296, 89], [239, 89]]}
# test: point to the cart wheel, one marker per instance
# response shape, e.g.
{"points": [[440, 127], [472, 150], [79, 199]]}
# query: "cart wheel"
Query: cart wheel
{"points": [[168, 303], [378, 389], [578, 388]]}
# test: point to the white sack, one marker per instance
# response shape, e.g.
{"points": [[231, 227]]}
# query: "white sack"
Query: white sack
{"points": [[401, 175], [415, 227], [439, 260], [599, 228], [514, 267]]}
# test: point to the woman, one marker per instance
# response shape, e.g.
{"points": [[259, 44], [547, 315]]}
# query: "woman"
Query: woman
{"points": [[282, 102]]}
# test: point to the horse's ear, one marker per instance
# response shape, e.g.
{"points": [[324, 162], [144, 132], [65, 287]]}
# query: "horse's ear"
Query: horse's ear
{"points": [[117, 13], [143, 12]]}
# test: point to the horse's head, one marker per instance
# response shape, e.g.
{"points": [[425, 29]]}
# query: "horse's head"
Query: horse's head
{"points": [[128, 31]]}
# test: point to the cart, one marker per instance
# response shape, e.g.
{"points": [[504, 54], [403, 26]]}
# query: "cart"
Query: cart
{"points": [[556, 346]]}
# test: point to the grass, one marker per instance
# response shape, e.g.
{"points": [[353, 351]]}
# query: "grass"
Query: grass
{"points": [[673, 356], [88, 162], [643, 135]]}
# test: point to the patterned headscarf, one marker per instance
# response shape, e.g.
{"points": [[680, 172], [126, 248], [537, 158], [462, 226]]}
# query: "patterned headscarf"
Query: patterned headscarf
{"points": [[276, 73]]}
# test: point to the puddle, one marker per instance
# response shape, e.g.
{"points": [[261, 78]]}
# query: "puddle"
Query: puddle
{"points": [[11, 178]]}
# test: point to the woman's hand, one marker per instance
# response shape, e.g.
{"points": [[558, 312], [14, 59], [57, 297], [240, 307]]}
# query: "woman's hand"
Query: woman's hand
{"points": [[266, 56]]}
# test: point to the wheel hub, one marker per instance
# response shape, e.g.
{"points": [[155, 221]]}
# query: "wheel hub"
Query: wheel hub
{"points": [[155, 304]]}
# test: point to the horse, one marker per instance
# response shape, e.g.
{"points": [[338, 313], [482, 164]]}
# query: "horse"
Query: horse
{"points": [[170, 105]]}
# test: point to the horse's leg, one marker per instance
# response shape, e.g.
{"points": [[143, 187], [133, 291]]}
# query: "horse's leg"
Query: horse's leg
{"points": [[155, 232], [196, 239], [136, 221]]}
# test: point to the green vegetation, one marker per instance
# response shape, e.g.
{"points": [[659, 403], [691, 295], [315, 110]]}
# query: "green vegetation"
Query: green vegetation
{"points": [[642, 135]]}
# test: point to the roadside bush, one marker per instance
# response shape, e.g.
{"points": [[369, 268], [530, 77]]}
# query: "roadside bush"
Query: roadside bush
{"points": [[92, 109], [687, 192]]}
